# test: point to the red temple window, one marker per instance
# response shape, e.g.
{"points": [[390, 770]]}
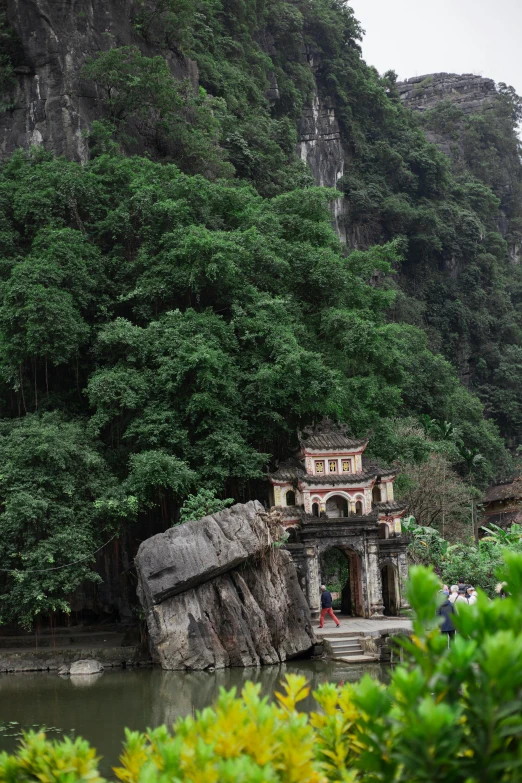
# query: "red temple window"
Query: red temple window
{"points": [[332, 466], [319, 466], [347, 466]]}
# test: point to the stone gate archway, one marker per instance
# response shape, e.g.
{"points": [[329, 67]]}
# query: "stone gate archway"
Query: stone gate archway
{"points": [[341, 571]]}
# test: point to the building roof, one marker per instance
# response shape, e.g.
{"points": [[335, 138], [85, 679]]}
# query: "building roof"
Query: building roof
{"points": [[308, 520], [328, 436], [504, 491], [378, 468], [390, 507], [336, 479], [290, 470], [332, 440], [503, 519]]}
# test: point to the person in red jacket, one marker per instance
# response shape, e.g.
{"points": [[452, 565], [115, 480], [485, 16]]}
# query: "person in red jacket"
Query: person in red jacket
{"points": [[326, 607]]}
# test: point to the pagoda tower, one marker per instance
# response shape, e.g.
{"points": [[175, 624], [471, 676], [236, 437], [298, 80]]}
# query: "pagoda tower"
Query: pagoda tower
{"points": [[330, 496]]}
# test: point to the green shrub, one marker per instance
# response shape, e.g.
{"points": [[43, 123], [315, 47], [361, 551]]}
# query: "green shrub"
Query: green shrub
{"points": [[452, 715]]}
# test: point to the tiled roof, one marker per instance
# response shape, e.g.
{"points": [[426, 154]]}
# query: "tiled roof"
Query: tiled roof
{"points": [[326, 441], [377, 467], [390, 507], [336, 479], [508, 489], [288, 471]]}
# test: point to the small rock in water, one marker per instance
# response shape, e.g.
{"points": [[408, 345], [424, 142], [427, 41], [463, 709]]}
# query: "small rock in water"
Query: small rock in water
{"points": [[87, 666]]}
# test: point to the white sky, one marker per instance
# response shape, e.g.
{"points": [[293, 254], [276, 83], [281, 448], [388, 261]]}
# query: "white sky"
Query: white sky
{"points": [[417, 37]]}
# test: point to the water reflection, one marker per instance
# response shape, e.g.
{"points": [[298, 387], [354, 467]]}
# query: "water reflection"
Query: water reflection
{"points": [[138, 698], [85, 680]]}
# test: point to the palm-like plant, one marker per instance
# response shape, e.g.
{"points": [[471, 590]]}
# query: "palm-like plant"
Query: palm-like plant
{"points": [[505, 537], [471, 457], [440, 430]]}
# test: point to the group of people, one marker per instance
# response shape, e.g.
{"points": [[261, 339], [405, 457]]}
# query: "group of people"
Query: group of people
{"points": [[454, 597]]}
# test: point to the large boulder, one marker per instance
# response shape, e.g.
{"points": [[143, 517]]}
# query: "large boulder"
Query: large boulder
{"points": [[217, 593], [251, 616], [190, 554]]}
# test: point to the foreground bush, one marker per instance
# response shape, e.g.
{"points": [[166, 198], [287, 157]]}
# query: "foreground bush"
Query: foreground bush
{"points": [[448, 715]]}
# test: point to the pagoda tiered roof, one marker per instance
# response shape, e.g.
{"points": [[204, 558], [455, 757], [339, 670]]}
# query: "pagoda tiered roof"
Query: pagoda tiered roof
{"points": [[290, 470], [377, 468], [336, 479], [332, 441], [328, 436], [390, 507]]}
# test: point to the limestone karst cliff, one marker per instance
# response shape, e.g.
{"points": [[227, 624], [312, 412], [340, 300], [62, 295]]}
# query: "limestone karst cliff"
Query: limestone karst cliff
{"points": [[470, 93], [52, 105], [454, 111]]}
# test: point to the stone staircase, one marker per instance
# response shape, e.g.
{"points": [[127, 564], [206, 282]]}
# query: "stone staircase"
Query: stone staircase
{"points": [[347, 647]]}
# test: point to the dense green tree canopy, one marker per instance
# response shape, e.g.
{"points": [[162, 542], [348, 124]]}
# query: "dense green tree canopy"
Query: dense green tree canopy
{"points": [[180, 330]]}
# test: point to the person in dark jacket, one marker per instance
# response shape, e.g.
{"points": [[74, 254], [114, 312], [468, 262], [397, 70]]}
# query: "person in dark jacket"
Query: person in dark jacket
{"points": [[446, 610], [326, 607]]}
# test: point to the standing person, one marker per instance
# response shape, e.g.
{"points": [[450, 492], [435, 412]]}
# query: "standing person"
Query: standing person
{"points": [[462, 596], [326, 607], [472, 595], [462, 586], [500, 590], [454, 591], [446, 610]]}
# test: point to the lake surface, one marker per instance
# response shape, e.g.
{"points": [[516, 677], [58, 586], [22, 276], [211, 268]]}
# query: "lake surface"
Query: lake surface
{"points": [[100, 706]]}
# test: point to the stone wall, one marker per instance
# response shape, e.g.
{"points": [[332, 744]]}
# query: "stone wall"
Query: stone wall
{"points": [[384, 645]]}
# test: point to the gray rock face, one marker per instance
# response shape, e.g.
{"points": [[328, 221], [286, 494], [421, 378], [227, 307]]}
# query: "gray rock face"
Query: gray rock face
{"points": [[217, 594], [53, 105], [469, 92], [248, 617], [87, 666], [319, 145], [188, 555]]}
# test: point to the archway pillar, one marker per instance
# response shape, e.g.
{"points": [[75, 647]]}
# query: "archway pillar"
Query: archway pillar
{"points": [[374, 581], [403, 578], [313, 592]]}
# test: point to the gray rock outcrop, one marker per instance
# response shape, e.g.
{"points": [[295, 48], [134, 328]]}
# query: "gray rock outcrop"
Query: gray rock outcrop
{"points": [[85, 667], [53, 105], [469, 92], [217, 593], [190, 554], [319, 146]]}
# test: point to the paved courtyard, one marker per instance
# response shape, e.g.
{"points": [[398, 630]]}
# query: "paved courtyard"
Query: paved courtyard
{"points": [[361, 626]]}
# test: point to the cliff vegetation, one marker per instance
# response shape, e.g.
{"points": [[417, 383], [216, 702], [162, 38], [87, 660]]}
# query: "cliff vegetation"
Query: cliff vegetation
{"points": [[173, 309]]}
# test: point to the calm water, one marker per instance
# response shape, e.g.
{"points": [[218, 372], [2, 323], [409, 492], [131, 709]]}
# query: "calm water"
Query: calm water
{"points": [[99, 707]]}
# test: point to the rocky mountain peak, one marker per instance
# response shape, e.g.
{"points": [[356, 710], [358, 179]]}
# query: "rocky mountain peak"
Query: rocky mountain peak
{"points": [[469, 92]]}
